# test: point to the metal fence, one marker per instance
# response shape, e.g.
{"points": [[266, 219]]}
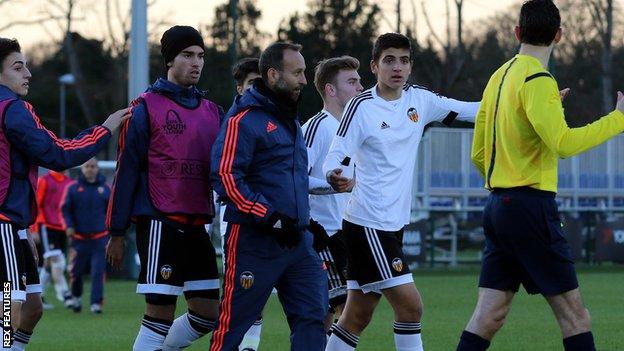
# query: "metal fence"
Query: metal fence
{"points": [[448, 194]]}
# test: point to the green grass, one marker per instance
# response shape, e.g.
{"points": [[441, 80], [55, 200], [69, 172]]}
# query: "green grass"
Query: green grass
{"points": [[449, 300]]}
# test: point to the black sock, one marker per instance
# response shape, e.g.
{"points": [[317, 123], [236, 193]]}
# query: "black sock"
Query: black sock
{"points": [[472, 342], [201, 324], [580, 342], [22, 336]]}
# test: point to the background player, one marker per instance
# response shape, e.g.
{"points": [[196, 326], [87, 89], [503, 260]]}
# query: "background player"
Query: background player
{"points": [[51, 191], [84, 211], [337, 81]]}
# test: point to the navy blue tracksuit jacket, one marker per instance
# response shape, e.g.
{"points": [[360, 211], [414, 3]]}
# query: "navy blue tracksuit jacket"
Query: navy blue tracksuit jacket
{"points": [[259, 166], [84, 206], [31, 143]]}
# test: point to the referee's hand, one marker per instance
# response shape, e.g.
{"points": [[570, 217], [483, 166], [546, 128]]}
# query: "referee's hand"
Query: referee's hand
{"points": [[338, 182], [620, 101], [115, 251]]}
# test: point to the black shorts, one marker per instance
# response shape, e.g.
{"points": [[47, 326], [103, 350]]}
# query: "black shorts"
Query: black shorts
{"points": [[375, 259], [54, 242], [525, 244], [12, 263], [335, 258], [175, 260]]}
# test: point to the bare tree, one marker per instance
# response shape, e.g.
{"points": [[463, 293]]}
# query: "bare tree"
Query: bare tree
{"points": [[63, 10], [602, 16], [38, 17], [454, 56]]}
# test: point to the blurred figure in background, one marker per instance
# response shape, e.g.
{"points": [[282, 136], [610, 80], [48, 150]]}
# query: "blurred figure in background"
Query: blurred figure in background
{"points": [[51, 189], [84, 211]]}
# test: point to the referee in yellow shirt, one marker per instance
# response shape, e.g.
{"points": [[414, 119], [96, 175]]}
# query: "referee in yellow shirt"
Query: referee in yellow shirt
{"points": [[520, 133]]}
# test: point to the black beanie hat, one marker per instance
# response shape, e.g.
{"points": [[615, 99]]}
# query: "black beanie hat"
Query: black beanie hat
{"points": [[178, 38]]}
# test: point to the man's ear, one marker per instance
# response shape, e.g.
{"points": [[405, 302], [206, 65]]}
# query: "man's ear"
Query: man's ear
{"points": [[273, 75], [558, 36], [517, 33], [373, 66]]}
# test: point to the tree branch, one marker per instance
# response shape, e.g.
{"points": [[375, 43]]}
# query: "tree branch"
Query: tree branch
{"points": [[431, 31], [29, 22]]}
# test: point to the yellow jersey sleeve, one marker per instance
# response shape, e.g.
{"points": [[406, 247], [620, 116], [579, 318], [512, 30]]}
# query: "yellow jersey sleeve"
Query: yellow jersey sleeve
{"points": [[542, 103]]}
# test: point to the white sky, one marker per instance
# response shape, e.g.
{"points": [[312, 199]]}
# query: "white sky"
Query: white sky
{"points": [[91, 15]]}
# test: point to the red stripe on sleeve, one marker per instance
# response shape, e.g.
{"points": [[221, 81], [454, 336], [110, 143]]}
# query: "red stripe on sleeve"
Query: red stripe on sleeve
{"points": [[85, 140], [121, 143], [225, 167]]}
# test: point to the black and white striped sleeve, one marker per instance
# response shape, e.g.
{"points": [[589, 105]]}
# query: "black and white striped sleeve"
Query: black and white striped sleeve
{"points": [[349, 136], [314, 138]]}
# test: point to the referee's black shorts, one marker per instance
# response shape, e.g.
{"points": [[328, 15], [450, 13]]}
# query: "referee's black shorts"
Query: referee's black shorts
{"points": [[525, 244]]}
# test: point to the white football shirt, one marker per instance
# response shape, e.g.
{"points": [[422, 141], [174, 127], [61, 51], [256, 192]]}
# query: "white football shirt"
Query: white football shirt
{"points": [[382, 138], [326, 206]]}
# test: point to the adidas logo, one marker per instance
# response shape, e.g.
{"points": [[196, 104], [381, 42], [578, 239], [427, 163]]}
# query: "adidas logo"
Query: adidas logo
{"points": [[384, 125], [270, 127]]}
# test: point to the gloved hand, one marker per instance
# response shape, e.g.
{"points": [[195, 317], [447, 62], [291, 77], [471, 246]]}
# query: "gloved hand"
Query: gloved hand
{"points": [[284, 229], [321, 239]]}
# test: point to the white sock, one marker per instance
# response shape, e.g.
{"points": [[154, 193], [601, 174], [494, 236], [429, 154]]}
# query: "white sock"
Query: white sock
{"points": [[407, 336], [58, 276], [20, 340], [341, 340], [251, 340], [44, 277], [152, 334], [186, 329]]}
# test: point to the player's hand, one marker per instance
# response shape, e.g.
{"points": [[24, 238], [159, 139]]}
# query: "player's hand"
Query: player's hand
{"points": [[321, 239], [115, 251], [338, 182], [70, 232], [116, 118], [564, 93], [620, 102]]}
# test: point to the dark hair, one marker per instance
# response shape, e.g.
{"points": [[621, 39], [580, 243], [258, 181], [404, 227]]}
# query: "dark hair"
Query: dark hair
{"points": [[391, 40], [327, 70], [273, 57], [539, 22], [7, 47], [243, 67]]}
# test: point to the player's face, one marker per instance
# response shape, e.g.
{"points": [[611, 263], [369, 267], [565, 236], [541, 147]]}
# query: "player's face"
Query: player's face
{"points": [[90, 169], [393, 67], [347, 86], [15, 74], [291, 80], [247, 83], [186, 67]]}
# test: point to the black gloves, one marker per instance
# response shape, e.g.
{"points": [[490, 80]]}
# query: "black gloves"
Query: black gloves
{"points": [[284, 229], [321, 239]]}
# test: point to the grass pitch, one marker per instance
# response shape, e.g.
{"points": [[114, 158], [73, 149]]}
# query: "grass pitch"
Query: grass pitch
{"points": [[449, 298]]}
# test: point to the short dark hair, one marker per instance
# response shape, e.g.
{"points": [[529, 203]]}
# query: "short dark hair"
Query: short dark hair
{"points": [[7, 47], [391, 40], [539, 22], [243, 67], [273, 57], [327, 70]]}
